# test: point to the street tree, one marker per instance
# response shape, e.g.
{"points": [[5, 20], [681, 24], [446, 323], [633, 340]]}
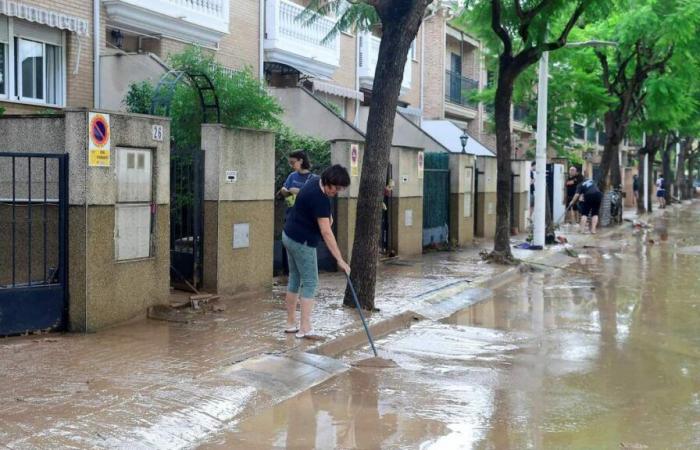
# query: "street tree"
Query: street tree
{"points": [[645, 73], [399, 21], [518, 33]]}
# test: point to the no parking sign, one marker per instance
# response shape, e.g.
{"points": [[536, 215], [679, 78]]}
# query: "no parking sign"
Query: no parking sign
{"points": [[99, 152]]}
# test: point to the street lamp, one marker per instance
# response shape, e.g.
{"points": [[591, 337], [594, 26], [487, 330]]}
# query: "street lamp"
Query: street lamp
{"points": [[464, 138], [538, 230]]}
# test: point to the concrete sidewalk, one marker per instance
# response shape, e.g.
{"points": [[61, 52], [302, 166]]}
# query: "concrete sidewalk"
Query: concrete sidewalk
{"points": [[156, 384]]}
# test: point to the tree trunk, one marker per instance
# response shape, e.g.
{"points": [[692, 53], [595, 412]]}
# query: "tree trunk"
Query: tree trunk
{"points": [[666, 167], [640, 184], [680, 176], [691, 162], [650, 174], [504, 94], [610, 163], [400, 23]]}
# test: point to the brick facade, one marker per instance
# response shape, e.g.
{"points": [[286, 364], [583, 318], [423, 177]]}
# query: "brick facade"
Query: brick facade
{"points": [[78, 82], [434, 72]]}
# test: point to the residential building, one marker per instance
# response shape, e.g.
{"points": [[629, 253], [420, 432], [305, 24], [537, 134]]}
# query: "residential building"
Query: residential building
{"points": [[45, 55]]}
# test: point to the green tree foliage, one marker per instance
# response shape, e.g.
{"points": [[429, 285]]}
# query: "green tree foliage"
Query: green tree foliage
{"points": [[243, 100], [642, 84], [518, 32]]}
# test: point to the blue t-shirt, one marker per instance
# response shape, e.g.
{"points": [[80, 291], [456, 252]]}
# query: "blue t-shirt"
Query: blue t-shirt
{"points": [[296, 180], [302, 221]]}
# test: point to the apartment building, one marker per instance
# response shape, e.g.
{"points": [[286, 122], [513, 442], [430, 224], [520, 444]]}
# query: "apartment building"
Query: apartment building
{"points": [[45, 55]]}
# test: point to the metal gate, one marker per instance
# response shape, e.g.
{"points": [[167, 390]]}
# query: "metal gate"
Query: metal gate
{"points": [[186, 215], [436, 199], [514, 213], [34, 242], [387, 212]]}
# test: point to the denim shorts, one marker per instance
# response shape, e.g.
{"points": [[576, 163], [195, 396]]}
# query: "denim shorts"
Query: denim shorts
{"points": [[303, 267]]}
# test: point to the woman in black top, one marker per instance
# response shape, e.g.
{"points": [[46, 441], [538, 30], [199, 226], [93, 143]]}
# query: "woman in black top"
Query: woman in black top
{"points": [[308, 221]]}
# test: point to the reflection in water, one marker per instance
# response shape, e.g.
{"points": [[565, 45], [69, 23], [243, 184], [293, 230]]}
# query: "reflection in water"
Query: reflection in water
{"points": [[605, 354]]}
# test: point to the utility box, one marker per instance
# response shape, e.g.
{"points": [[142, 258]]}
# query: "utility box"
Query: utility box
{"points": [[132, 232]]}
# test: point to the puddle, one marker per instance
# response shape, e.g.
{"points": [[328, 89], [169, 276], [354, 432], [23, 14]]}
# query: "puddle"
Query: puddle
{"points": [[604, 355]]}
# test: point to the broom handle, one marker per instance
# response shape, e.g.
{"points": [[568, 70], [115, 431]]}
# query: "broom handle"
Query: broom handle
{"points": [[362, 316]]}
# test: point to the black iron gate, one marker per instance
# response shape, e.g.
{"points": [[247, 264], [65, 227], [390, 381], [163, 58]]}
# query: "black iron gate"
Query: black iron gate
{"points": [[436, 199], [186, 215], [387, 211], [33, 242], [477, 213]]}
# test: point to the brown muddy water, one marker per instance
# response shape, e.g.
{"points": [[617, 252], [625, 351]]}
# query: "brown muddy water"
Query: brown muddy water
{"points": [[604, 354]]}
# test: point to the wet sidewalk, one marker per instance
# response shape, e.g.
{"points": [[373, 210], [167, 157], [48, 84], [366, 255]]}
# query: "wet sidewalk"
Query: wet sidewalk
{"points": [[157, 384]]}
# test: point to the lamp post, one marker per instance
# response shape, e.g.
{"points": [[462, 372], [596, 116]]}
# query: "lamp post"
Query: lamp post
{"points": [[464, 138], [538, 231]]}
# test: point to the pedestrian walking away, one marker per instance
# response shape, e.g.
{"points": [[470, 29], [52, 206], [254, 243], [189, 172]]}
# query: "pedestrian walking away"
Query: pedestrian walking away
{"points": [[635, 189], [572, 183], [661, 191], [589, 198], [308, 222]]}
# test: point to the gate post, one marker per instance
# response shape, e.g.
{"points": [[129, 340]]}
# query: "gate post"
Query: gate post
{"points": [[239, 177], [521, 193], [486, 192], [461, 198], [407, 201], [348, 154]]}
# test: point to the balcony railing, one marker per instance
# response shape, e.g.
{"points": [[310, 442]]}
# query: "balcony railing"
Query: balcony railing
{"points": [[459, 89], [292, 39], [200, 21], [369, 54]]}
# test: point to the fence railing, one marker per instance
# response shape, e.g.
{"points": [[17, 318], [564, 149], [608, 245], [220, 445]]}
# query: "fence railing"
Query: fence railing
{"points": [[288, 30], [459, 89], [369, 54], [212, 14]]}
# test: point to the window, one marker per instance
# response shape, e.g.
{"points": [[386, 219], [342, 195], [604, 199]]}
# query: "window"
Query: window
{"points": [[31, 62], [30, 73], [579, 131], [39, 71], [3, 69], [3, 57]]}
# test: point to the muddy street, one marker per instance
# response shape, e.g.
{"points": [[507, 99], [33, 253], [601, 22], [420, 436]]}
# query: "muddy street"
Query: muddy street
{"points": [[604, 353]]}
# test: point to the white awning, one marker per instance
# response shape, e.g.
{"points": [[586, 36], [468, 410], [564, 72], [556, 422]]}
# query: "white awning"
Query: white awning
{"points": [[448, 135], [334, 89], [44, 16]]}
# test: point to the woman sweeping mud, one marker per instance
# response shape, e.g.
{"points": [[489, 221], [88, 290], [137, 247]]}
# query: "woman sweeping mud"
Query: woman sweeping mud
{"points": [[308, 221]]}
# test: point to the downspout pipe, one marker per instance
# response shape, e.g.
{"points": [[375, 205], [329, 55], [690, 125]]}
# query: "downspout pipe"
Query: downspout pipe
{"points": [[261, 43], [96, 53]]}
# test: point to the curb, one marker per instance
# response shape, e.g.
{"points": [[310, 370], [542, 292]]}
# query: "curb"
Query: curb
{"points": [[356, 337]]}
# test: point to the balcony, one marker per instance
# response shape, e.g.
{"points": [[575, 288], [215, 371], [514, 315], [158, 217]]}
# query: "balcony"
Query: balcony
{"points": [[459, 89], [290, 40], [369, 53], [203, 22]]}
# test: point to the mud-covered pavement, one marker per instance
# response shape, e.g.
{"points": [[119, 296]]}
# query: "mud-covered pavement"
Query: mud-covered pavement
{"points": [[604, 353], [155, 384]]}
